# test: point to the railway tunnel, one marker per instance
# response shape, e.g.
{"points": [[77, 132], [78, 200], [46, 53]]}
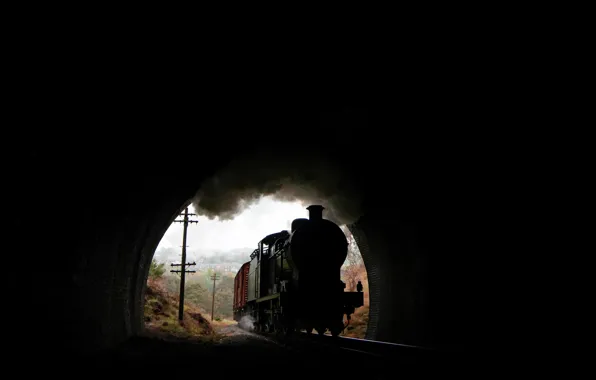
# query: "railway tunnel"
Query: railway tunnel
{"points": [[416, 231]]}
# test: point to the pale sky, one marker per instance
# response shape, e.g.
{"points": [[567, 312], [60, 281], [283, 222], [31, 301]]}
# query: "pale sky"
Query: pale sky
{"points": [[237, 237]]}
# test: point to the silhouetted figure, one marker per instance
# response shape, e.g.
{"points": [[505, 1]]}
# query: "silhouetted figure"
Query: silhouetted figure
{"points": [[359, 286]]}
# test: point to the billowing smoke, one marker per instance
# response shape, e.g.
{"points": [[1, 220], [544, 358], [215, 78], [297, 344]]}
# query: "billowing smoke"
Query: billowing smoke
{"points": [[307, 178], [247, 323]]}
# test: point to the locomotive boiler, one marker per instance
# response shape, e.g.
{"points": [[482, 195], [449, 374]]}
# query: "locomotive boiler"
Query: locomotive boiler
{"points": [[293, 282]]}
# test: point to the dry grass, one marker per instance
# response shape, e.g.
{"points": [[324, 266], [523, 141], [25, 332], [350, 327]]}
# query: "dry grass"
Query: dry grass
{"points": [[222, 323], [358, 324], [161, 316], [359, 321]]}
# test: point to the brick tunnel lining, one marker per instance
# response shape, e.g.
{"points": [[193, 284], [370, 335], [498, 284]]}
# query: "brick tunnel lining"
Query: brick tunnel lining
{"points": [[101, 290], [131, 245], [103, 301], [99, 283]]}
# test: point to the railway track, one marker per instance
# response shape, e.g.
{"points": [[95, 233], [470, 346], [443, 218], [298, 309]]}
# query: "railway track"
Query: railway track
{"points": [[347, 345]]}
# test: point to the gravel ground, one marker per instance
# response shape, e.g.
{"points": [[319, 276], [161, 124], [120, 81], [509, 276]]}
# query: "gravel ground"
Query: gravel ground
{"points": [[234, 331], [235, 354]]}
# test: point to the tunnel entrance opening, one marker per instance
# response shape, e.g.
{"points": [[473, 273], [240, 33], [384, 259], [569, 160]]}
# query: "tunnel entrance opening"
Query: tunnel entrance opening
{"points": [[388, 237], [217, 249], [416, 237]]}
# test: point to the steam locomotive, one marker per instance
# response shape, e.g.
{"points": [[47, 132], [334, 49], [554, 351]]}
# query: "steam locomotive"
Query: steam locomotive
{"points": [[292, 281]]}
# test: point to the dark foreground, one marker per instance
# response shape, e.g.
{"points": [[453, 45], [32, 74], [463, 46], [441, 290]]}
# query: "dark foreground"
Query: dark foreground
{"points": [[242, 355]]}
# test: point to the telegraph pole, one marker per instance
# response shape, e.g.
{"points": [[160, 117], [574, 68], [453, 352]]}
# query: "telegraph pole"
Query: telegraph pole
{"points": [[183, 264], [213, 277]]}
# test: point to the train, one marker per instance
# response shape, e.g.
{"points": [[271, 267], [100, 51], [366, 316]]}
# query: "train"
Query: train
{"points": [[293, 280]]}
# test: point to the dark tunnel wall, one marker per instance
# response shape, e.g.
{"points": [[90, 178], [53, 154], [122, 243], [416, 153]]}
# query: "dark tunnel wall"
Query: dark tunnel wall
{"points": [[110, 202]]}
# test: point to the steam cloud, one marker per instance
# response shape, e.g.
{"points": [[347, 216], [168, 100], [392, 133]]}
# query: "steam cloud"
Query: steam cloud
{"points": [[306, 178], [247, 323]]}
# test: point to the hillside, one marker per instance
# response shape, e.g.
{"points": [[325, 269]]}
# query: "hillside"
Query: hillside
{"points": [[161, 315], [352, 273], [199, 292], [161, 302]]}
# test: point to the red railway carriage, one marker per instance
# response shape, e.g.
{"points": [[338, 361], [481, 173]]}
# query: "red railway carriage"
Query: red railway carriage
{"points": [[241, 290]]}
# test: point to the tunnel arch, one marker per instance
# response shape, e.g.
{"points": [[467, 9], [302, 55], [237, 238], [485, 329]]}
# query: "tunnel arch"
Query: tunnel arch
{"points": [[145, 257], [416, 247]]}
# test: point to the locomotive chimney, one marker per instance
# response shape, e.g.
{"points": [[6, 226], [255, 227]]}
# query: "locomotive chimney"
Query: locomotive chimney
{"points": [[315, 212]]}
